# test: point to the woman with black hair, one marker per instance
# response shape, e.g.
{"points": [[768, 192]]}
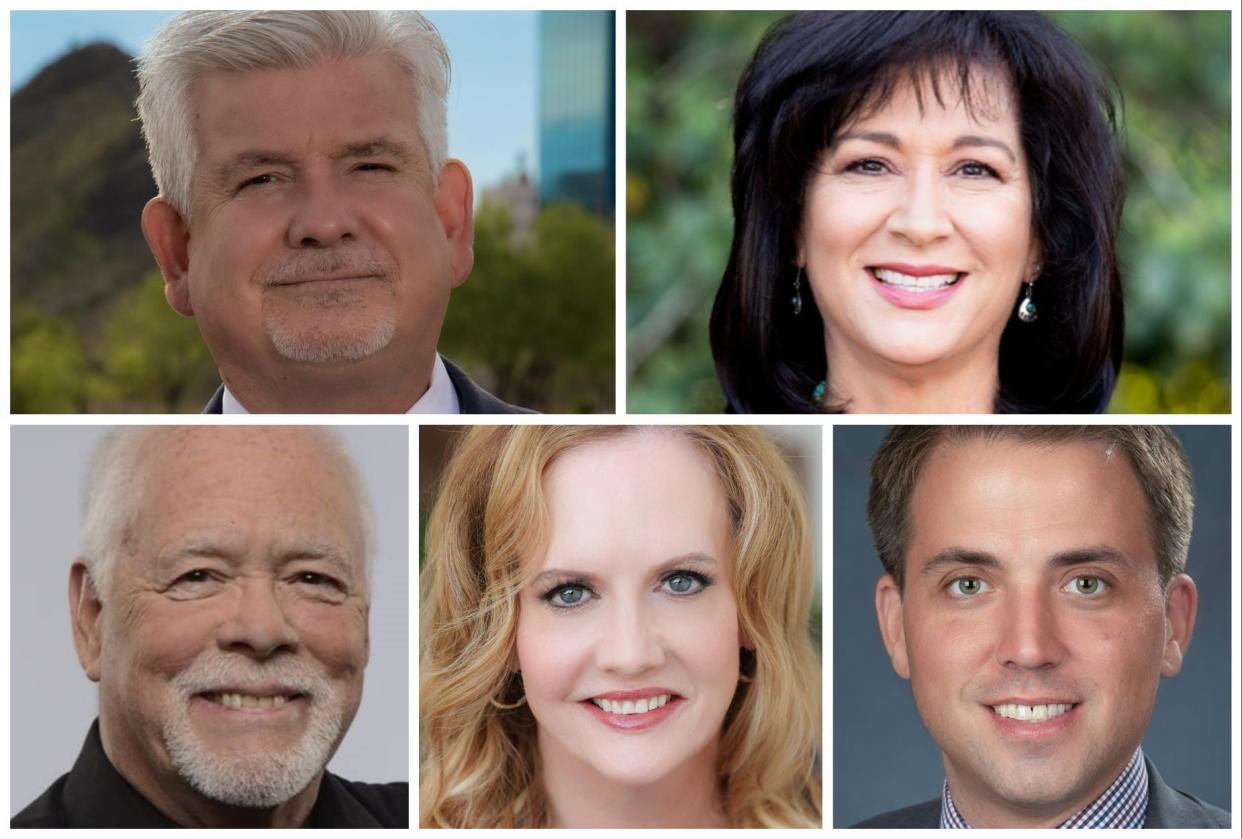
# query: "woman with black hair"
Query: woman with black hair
{"points": [[926, 207]]}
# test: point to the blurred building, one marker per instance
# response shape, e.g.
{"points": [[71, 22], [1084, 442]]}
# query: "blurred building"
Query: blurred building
{"points": [[577, 128], [518, 195]]}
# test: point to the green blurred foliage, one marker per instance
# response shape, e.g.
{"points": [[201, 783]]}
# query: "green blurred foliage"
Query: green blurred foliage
{"points": [[47, 368], [150, 356], [1173, 70], [146, 359], [534, 322]]}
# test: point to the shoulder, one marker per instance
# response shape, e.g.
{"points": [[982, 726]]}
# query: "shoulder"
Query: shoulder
{"points": [[926, 814], [370, 805], [1169, 807], [474, 399], [44, 811]]}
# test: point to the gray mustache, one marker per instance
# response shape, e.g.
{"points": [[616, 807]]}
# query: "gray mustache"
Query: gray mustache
{"points": [[227, 671], [325, 264]]}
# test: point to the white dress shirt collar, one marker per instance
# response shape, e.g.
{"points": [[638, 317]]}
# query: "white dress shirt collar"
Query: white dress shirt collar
{"points": [[440, 398]]}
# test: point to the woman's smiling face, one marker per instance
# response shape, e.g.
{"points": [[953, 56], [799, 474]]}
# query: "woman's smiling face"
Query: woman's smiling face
{"points": [[627, 636], [916, 234]]}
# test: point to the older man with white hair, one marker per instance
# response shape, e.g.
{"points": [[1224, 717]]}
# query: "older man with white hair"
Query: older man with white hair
{"points": [[309, 217], [221, 603]]}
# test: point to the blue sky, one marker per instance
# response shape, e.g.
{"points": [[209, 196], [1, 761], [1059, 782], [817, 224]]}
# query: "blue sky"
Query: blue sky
{"points": [[493, 101]]}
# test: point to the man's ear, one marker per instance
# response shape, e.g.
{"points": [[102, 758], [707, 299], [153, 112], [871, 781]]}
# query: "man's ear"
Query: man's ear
{"points": [[888, 609], [168, 237], [1181, 602], [85, 608], [454, 199]]}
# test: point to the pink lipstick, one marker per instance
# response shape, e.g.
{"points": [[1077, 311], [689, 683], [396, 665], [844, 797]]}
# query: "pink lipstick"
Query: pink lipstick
{"points": [[634, 710], [909, 287]]}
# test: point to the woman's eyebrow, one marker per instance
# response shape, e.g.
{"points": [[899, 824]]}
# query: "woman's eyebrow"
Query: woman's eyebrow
{"points": [[975, 140], [692, 559], [884, 138], [563, 574]]}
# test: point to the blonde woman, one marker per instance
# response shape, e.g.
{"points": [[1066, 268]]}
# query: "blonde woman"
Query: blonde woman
{"points": [[615, 633]]}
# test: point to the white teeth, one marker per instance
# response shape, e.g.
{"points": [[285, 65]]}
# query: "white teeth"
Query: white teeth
{"points": [[934, 281], [1031, 713], [629, 706], [245, 700]]}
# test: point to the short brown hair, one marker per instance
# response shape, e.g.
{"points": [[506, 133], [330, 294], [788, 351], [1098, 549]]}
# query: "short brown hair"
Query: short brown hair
{"points": [[1154, 452]]}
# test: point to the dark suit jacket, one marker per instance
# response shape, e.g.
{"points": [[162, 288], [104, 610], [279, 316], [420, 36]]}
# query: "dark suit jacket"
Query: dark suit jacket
{"points": [[1166, 807], [472, 398], [94, 794]]}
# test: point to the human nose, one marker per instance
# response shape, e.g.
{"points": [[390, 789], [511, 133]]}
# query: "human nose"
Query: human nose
{"points": [[921, 216], [321, 214], [629, 642], [258, 624], [1028, 635]]}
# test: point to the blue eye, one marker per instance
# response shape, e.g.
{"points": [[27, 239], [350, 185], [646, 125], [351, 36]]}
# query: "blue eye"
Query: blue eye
{"points": [[685, 583], [567, 596]]}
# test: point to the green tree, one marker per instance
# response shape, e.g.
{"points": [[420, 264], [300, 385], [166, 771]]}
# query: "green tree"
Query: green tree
{"points": [[47, 369], [535, 319], [149, 356]]}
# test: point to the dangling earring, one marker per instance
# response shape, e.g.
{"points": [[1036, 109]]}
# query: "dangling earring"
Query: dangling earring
{"points": [[796, 300], [1027, 312], [1026, 306]]}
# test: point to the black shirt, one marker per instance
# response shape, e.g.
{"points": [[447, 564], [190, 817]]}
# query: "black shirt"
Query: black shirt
{"points": [[94, 794]]}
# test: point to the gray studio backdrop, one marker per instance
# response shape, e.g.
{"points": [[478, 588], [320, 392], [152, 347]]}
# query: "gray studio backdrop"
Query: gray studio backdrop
{"points": [[52, 703], [883, 757]]}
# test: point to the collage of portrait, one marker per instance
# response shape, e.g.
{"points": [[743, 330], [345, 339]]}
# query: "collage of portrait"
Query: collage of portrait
{"points": [[623, 419]]}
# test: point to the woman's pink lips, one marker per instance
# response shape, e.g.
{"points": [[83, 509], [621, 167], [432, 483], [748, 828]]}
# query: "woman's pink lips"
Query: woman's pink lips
{"points": [[640, 693], [907, 299], [634, 722]]}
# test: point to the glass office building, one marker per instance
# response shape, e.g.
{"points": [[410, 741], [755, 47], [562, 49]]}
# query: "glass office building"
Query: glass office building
{"points": [[577, 129]]}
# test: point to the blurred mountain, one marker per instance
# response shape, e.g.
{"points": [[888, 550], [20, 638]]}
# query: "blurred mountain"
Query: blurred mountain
{"points": [[79, 181]]}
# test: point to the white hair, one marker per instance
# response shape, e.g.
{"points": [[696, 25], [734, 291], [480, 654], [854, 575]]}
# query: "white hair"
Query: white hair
{"points": [[114, 492], [194, 44]]}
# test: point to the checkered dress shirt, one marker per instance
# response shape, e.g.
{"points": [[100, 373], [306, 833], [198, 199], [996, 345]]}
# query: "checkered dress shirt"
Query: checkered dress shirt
{"points": [[1123, 804]]}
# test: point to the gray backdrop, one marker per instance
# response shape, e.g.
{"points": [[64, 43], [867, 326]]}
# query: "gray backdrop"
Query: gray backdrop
{"points": [[883, 757], [52, 703]]}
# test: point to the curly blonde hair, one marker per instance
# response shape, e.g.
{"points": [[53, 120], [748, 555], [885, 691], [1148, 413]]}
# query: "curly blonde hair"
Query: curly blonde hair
{"points": [[479, 762]]}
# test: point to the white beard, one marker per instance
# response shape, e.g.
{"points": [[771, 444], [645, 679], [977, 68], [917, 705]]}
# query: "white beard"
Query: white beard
{"points": [[267, 778]]}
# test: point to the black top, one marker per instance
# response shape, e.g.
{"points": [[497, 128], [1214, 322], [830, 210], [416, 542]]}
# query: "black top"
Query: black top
{"points": [[1166, 808], [94, 794]]}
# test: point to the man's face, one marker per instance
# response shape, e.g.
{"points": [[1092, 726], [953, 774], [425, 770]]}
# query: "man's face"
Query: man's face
{"points": [[1031, 581], [234, 634], [316, 236]]}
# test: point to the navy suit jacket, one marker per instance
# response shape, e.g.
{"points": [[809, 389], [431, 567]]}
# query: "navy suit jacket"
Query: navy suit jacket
{"points": [[470, 397], [1166, 808]]}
